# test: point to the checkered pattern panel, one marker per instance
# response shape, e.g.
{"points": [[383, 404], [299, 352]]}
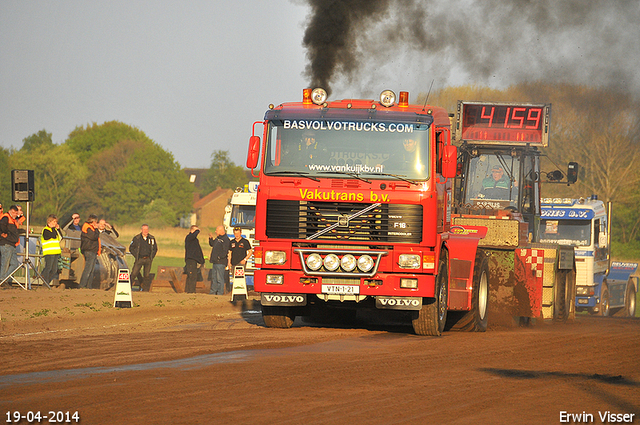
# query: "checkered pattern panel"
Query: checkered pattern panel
{"points": [[533, 258]]}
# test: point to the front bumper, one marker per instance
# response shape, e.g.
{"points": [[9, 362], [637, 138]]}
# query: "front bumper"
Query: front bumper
{"points": [[387, 284]]}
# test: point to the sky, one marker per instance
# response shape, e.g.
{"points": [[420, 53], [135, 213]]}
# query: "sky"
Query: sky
{"points": [[194, 75]]}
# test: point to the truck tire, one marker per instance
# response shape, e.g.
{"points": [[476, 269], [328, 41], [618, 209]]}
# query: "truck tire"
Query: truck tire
{"points": [[564, 296], [432, 317], [278, 317], [604, 301], [476, 319], [630, 300]]}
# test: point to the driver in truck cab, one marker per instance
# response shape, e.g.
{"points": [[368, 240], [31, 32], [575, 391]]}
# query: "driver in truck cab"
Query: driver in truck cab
{"points": [[497, 185], [307, 151]]}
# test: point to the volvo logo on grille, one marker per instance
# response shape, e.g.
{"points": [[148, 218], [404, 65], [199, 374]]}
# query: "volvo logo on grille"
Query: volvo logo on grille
{"points": [[343, 221]]}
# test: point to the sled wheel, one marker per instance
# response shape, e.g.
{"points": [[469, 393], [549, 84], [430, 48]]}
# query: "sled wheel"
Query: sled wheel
{"points": [[476, 319]]}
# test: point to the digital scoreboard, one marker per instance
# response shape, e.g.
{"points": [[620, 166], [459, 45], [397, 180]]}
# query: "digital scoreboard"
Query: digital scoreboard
{"points": [[503, 123]]}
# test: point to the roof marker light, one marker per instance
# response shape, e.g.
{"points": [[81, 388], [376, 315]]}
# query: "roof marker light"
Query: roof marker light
{"points": [[306, 96], [403, 99], [318, 96]]}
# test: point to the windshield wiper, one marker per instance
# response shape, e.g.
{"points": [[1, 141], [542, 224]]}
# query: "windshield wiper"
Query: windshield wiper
{"points": [[399, 177], [295, 173], [505, 166], [344, 173]]}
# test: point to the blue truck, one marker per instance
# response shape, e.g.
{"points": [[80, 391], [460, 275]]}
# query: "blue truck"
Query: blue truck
{"points": [[603, 287]]}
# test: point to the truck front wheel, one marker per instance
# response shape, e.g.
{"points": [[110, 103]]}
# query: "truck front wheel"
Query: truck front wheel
{"points": [[604, 301], [431, 318], [630, 300], [278, 317]]}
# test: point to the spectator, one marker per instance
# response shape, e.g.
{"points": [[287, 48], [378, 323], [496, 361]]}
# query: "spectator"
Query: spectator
{"points": [[240, 250], [90, 248], [193, 257], [104, 227], [50, 242], [219, 260], [21, 218], [143, 247], [74, 224], [1, 213], [9, 239]]}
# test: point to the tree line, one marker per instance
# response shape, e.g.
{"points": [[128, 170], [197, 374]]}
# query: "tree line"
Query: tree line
{"points": [[115, 170], [112, 170]]}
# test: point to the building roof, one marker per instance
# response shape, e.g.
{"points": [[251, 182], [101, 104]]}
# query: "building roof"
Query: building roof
{"points": [[196, 175], [211, 197]]}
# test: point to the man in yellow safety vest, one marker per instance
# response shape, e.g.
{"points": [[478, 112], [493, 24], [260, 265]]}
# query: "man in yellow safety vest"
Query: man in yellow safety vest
{"points": [[50, 242]]}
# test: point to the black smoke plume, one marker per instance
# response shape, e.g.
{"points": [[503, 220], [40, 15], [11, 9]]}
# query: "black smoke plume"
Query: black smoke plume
{"points": [[357, 43], [330, 37]]}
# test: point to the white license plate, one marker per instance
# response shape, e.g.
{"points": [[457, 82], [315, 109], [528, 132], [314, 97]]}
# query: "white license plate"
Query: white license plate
{"points": [[341, 289]]}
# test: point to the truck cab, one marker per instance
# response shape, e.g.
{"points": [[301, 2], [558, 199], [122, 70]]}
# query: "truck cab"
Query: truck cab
{"points": [[602, 287], [500, 178], [241, 212]]}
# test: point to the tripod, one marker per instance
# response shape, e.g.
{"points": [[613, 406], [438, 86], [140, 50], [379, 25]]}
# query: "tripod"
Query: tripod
{"points": [[26, 262]]}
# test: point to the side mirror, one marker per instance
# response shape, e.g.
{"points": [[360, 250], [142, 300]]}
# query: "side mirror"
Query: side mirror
{"points": [[254, 152], [572, 172], [555, 176], [449, 161], [602, 240]]}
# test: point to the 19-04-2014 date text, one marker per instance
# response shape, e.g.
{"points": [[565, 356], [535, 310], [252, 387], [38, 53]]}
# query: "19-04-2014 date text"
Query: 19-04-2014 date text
{"points": [[51, 417]]}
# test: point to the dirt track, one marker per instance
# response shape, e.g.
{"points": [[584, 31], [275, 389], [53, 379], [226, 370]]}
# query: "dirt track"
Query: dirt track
{"points": [[198, 359]]}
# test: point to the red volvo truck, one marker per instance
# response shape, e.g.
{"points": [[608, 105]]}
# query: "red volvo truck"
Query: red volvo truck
{"points": [[354, 212]]}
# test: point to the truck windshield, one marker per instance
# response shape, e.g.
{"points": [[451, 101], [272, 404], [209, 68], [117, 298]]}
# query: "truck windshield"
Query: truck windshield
{"points": [[566, 232], [371, 149], [243, 216], [492, 181]]}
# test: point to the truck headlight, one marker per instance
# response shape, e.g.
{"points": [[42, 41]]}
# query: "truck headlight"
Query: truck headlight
{"points": [[348, 263], [314, 261], [275, 279], [318, 96], [365, 263], [586, 291], [331, 262], [409, 261], [409, 283], [275, 257], [387, 98]]}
